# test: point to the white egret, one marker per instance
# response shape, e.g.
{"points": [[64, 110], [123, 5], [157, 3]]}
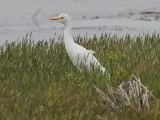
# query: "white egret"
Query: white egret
{"points": [[78, 54]]}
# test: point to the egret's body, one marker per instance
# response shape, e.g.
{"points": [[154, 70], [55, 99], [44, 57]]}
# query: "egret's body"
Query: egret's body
{"points": [[78, 54]]}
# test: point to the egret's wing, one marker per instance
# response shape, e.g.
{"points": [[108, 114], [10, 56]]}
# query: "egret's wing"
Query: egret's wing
{"points": [[91, 51], [84, 55]]}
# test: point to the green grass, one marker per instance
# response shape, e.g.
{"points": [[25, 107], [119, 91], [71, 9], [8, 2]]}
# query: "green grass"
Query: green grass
{"points": [[39, 82]]}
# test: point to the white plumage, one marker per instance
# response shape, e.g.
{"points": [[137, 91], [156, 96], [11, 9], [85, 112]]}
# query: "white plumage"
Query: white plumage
{"points": [[78, 54]]}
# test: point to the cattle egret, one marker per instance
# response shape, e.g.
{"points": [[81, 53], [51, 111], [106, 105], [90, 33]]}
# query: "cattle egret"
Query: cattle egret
{"points": [[78, 54]]}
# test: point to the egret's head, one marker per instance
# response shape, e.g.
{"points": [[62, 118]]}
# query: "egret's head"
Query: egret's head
{"points": [[62, 18]]}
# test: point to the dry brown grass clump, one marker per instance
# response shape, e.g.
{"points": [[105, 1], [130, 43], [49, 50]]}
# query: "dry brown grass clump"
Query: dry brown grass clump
{"points": [[132, 94]]}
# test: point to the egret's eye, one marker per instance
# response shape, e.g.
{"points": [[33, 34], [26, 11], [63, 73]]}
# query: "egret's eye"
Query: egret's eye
{"points": [[62, 17]]}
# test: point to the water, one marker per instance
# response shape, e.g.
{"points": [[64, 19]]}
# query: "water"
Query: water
{"points": [[19, 17]]}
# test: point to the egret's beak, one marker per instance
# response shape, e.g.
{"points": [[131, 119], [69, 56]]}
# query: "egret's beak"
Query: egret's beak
{"points": [[57, 18]]}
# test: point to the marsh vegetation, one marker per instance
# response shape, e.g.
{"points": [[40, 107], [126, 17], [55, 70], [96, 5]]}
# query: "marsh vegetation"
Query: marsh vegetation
{"points": [[38, 80]]}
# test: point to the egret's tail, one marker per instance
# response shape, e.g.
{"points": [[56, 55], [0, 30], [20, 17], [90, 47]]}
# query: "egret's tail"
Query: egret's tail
{"points": [[105, 72]]}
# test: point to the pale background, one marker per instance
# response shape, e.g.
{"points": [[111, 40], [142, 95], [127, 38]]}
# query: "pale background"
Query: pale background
{"points": [[18, 17]]}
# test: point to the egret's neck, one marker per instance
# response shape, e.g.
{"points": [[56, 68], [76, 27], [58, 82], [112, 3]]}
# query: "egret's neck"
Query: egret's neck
{"points": [[68, 39]]}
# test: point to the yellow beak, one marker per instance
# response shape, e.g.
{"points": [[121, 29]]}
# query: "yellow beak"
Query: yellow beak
{"points": [[57, 18]]}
